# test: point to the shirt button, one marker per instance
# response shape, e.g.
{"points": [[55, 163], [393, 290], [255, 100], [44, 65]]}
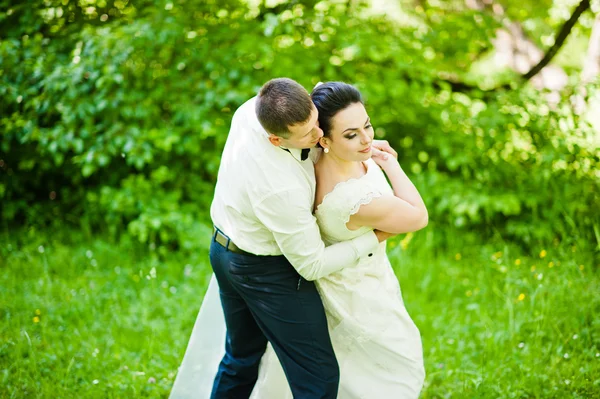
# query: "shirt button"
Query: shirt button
{"points": [[370, 254]]}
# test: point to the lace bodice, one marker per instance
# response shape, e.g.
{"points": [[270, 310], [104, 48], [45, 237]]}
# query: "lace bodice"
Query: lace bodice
{"points": [[345, 200]]}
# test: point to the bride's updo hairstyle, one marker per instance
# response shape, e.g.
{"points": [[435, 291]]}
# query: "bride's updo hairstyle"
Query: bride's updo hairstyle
{"points": [[331, 98]]}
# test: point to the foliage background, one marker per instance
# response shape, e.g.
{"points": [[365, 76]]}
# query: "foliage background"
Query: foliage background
{"points": [[120, 123], [114, 113]]}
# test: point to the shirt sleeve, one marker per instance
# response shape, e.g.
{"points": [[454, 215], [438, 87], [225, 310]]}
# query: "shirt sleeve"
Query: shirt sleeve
{"points": [[288, 215]]}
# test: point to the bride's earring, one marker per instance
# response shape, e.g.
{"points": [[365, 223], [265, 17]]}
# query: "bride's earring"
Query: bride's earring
{"points": [[326, 150]]}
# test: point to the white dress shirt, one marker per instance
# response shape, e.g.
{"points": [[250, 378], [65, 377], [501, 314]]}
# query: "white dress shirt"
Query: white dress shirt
{"points": [[264, 199]]}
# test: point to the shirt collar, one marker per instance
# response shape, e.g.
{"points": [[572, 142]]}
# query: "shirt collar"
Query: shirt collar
{"points": [[252, 119], [296, 153]]}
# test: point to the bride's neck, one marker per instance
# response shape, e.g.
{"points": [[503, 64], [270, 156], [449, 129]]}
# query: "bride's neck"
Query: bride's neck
{"points": [[340, 167]]}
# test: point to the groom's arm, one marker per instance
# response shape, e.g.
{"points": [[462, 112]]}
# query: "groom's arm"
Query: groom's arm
{"points": [[288, 215]]}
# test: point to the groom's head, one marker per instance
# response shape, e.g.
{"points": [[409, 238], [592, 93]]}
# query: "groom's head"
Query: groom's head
{"points": [[287, 113]]}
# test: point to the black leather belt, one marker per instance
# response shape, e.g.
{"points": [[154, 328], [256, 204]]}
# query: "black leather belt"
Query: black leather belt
{"points": [[226, 242]]}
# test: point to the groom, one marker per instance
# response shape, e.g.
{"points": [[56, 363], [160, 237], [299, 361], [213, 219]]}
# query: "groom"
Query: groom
{"points": [[267, 250]]}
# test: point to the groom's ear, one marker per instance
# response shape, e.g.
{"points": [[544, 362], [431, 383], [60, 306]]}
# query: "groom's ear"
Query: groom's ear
{"points": [[275, 140]]}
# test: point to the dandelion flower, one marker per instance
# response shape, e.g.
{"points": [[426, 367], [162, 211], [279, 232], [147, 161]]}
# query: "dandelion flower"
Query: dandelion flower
{"points": [[518, 262], [543, 253], [521, 296], [36, 319]]}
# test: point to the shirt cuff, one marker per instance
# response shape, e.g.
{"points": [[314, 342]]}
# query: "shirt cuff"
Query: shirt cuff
{"points": [[366, 244]]}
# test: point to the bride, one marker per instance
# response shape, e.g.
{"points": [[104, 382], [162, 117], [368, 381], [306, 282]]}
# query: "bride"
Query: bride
{"points": [[377, 345]]}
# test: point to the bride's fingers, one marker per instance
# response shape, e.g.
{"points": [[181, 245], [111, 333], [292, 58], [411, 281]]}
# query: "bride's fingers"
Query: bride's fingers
{"points": [[383, 145], [377, 153]]}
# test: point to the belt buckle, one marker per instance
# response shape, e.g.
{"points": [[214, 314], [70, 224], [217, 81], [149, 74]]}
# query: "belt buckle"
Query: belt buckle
{"points": [[218, 231]]}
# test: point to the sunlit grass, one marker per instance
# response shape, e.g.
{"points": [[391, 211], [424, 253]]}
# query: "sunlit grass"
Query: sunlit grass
{"points": [[85, 318], [498, 321], [88, 319]]}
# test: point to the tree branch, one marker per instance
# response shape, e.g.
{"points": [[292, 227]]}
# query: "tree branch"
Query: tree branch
{"points": [[564, 32], [462, 87]]}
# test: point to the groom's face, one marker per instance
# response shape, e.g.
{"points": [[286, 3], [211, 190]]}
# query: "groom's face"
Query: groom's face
{"points": [[304, 135]]}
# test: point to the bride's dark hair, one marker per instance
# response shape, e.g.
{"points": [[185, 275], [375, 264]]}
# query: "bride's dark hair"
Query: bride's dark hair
{"points": [[331, 98]]}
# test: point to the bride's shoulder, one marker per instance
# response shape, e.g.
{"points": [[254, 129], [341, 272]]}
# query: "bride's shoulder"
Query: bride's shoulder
{"points": [[325, 185]]}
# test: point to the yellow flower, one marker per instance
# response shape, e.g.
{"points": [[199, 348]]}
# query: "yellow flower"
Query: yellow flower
{"points": [[36, 319], [458, 256], [518, 262], [521, 296], [406, 240], [543, 253]]}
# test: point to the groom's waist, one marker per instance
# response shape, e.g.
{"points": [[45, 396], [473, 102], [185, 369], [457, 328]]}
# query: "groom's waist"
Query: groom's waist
{"points": [[225, 241], [246, 243]]}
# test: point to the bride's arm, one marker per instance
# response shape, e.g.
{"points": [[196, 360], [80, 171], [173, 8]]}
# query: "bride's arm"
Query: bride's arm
{"points": [[403, 212]]}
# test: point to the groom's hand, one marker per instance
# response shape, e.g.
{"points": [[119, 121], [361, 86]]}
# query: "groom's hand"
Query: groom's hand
{"points": [[385, 147]]}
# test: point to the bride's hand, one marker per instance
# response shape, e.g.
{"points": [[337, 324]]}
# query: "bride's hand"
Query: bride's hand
{"points": [[383, 145], [384, 159]]}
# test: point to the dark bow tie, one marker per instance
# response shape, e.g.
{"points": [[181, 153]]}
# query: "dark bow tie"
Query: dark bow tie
{"points": [[303, 155]]}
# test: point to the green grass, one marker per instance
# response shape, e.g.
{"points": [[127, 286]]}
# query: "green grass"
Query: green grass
{"points": [[81, 317]]}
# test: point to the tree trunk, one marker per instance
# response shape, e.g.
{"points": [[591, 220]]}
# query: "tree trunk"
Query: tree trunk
{"points": [[581, 102], [591, 66]]}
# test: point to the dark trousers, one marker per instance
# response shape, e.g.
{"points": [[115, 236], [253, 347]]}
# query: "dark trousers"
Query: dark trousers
{"points": [[265, 299]]}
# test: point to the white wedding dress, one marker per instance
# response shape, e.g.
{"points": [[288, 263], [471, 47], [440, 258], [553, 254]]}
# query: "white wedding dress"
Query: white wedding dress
{"points": [[377, 345]]}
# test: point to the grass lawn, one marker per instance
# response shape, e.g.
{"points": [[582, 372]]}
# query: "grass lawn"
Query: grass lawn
{"points": [[84, 317]]}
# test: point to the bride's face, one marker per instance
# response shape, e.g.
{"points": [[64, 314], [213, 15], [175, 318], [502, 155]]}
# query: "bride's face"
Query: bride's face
{"points": [[351, 134]]}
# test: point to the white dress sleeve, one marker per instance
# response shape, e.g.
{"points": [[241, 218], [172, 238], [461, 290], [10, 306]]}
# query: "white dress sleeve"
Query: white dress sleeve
{"points": [[341, 203], [204, 351]]}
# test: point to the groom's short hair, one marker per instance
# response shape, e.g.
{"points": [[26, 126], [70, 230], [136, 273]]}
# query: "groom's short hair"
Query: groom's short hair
{"points": [[281, 103]]}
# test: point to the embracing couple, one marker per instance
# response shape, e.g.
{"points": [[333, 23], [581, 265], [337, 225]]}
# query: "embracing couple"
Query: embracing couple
{"points": [[309, 304]]}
